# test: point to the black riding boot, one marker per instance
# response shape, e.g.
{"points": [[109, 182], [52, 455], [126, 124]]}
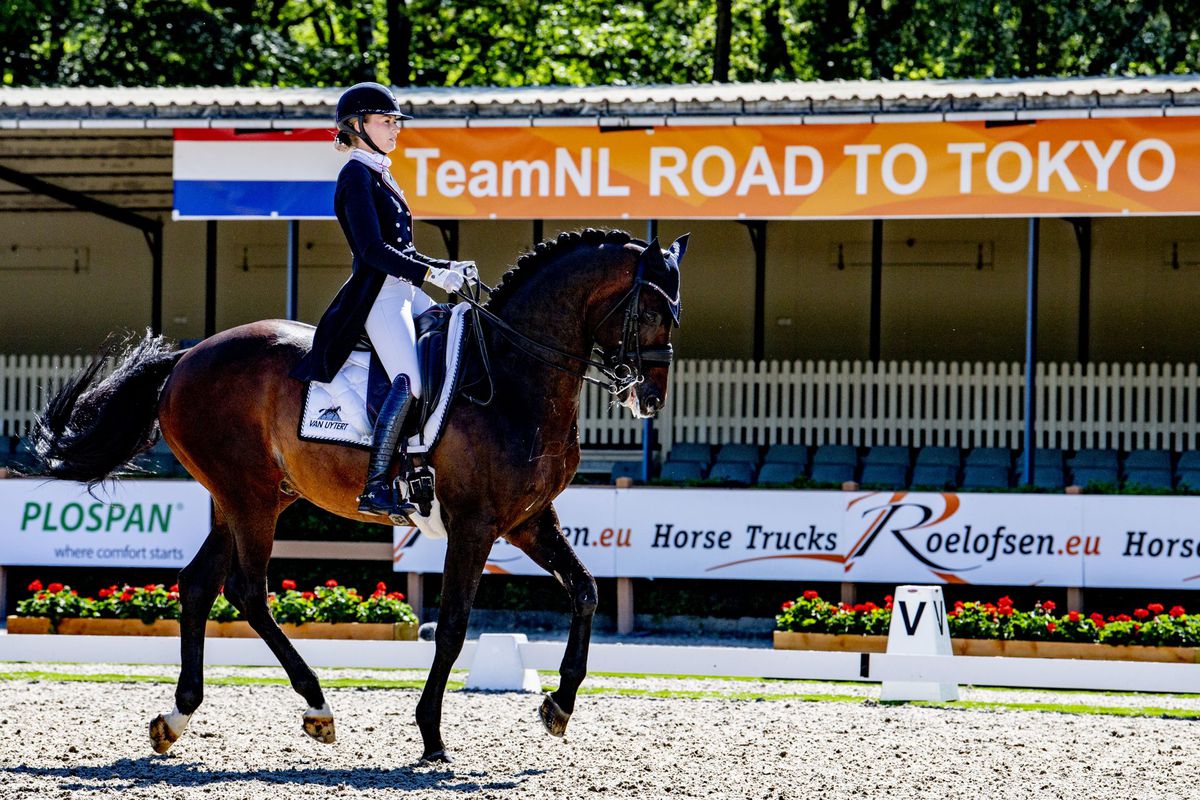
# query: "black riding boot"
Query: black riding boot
{"points": [[379, 496]]}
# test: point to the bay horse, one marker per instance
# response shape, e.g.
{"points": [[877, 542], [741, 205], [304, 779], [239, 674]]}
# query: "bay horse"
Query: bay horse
{"points": [[230, 412]]}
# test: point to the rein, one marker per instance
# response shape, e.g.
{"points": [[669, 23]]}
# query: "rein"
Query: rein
{"points": [[621, 376]]}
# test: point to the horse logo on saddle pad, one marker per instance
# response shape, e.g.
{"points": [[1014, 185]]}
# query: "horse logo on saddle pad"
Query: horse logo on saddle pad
{"points": [[343, 411]]}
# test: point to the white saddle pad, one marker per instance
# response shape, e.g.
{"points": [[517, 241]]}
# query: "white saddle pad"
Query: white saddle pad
{"points": [[337, 411]]}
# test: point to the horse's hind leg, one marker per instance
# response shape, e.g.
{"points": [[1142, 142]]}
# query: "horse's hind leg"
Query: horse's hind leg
{"points": [[199, 583], [543, 541], [247, 589]]}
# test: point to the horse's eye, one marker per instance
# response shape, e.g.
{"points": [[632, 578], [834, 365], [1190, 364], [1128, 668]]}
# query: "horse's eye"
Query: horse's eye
{"points": [[650, 317]]}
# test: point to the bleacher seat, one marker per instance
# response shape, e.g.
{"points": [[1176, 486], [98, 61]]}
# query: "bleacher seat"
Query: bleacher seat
{"points": [[1148, 478], [694, 452], [1042, 457], [839, 454], [934, 476], [891, 476], [779, 472], [1190, 460], [737, 472], [1188, 478], [23, 458], [626, 469], [985, 476], [1094, 458], [938, 456], [159, 461], [1148, 459], [1085, 476], [787, 454], [832, 473], [738, 454], [1046, 476], [887, 455], [683, 471], [989, 457]]}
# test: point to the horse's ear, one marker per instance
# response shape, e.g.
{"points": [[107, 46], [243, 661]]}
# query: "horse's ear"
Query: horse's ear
{"points": [[678, 248], [652, 256]]}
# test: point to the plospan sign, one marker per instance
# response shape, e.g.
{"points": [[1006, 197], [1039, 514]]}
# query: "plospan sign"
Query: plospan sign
{"points": [[892, 537], [135, 523]]}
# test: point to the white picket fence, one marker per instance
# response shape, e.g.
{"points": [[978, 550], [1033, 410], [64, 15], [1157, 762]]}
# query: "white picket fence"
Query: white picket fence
{"points": [[1123, 406]]}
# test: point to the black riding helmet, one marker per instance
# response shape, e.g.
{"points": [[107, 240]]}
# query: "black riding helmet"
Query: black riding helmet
{"points": [[362, 99]]}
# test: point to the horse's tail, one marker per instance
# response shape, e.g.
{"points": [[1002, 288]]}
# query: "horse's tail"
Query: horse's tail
{"points": [[91, 428]]}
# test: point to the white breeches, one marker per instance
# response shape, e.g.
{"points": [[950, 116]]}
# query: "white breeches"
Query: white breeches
{"points": [[391, 330]]}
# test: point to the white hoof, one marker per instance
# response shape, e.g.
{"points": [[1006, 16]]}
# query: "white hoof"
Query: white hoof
{"points": [[318, 723], [165, 729]]}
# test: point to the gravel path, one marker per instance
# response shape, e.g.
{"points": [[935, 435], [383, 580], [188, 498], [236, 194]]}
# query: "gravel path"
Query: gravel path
{"points": [[88, 740]]}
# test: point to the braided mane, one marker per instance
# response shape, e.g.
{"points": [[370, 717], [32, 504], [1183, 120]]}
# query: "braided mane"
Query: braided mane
{"points": [[531, 263]]}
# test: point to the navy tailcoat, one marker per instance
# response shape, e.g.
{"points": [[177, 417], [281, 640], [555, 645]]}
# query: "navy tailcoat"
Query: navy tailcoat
{"points": [[378, 226]]}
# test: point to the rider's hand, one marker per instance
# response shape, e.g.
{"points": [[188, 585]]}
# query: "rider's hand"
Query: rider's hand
{"points": [[467, 269], [449, 280]]}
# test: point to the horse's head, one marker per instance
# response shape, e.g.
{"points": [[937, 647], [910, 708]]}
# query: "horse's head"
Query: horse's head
{"points": [[634, 336]]}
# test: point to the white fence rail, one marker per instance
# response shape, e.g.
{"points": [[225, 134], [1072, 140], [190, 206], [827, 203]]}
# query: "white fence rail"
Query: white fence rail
{"points": [[1123, 406]]}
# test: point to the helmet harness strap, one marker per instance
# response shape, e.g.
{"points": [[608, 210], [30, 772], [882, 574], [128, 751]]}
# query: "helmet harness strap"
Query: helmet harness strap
{"points": [[361, 132]]}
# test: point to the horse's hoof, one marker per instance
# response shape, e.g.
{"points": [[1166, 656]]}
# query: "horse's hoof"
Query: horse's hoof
{"points": [[161, 735], [553, 717], [318, 723], [437, 757]]}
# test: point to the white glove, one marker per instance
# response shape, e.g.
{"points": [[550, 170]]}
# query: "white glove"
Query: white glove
{"points": [[448, 280], [467, 269]]}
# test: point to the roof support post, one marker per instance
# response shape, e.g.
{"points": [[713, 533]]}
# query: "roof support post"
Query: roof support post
{"points": [[538, 232], [876, 288], [1031, 285], [1083, 235], [293, 269], [758, 238], [449, 231], [647, 424], [210, 278], [154, 239]]}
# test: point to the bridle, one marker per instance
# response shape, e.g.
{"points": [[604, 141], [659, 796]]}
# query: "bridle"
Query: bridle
{"points": [[622, 364]]}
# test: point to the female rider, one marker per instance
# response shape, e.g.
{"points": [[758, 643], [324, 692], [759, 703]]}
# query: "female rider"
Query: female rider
{"points": [[383, 293]]}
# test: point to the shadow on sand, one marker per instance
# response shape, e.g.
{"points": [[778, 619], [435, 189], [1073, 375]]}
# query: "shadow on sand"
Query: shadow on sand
{"points": [[131, 773]]}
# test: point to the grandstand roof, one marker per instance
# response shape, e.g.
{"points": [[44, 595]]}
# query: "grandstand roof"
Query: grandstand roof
{"points": [[801, 102]]}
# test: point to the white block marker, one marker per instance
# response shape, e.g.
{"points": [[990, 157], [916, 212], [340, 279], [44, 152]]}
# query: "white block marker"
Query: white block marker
{"points": [[919, 628]]}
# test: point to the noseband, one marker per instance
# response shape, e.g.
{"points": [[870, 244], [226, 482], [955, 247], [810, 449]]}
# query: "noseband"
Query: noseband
{"points": [[620, 370]]}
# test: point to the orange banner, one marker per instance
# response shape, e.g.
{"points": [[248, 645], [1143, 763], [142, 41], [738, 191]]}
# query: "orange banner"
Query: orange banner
{"points": [[1094, 167]]}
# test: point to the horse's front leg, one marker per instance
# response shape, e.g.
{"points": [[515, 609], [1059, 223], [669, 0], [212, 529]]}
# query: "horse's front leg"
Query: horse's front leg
{"points": [[466, 556], [543, 541]]}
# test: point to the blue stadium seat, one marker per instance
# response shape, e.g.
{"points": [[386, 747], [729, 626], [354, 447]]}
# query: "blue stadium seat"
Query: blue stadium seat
{"points": [[987, 476], [1046, 477], [777, 472], [937, 456], [1042, 457], [682, 471], [1189, 459], [1148, 478], [1087, 476], [1148, 459], [832, 473], [787, 454], [626, 469], [738, 454], [891, 476], [1189, 479], [695, 452], [737, 472], [934, 476], [1088, 458], [159, 461], [841, 454], [23, 459], [990, 457], [888, 454]]}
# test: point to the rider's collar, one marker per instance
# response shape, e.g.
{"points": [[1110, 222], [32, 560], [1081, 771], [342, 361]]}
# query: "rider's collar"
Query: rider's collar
{"points": [[376, 161]]}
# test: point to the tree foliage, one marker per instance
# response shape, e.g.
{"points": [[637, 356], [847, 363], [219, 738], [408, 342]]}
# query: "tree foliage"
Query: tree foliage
{"points": [[527, 42]]}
